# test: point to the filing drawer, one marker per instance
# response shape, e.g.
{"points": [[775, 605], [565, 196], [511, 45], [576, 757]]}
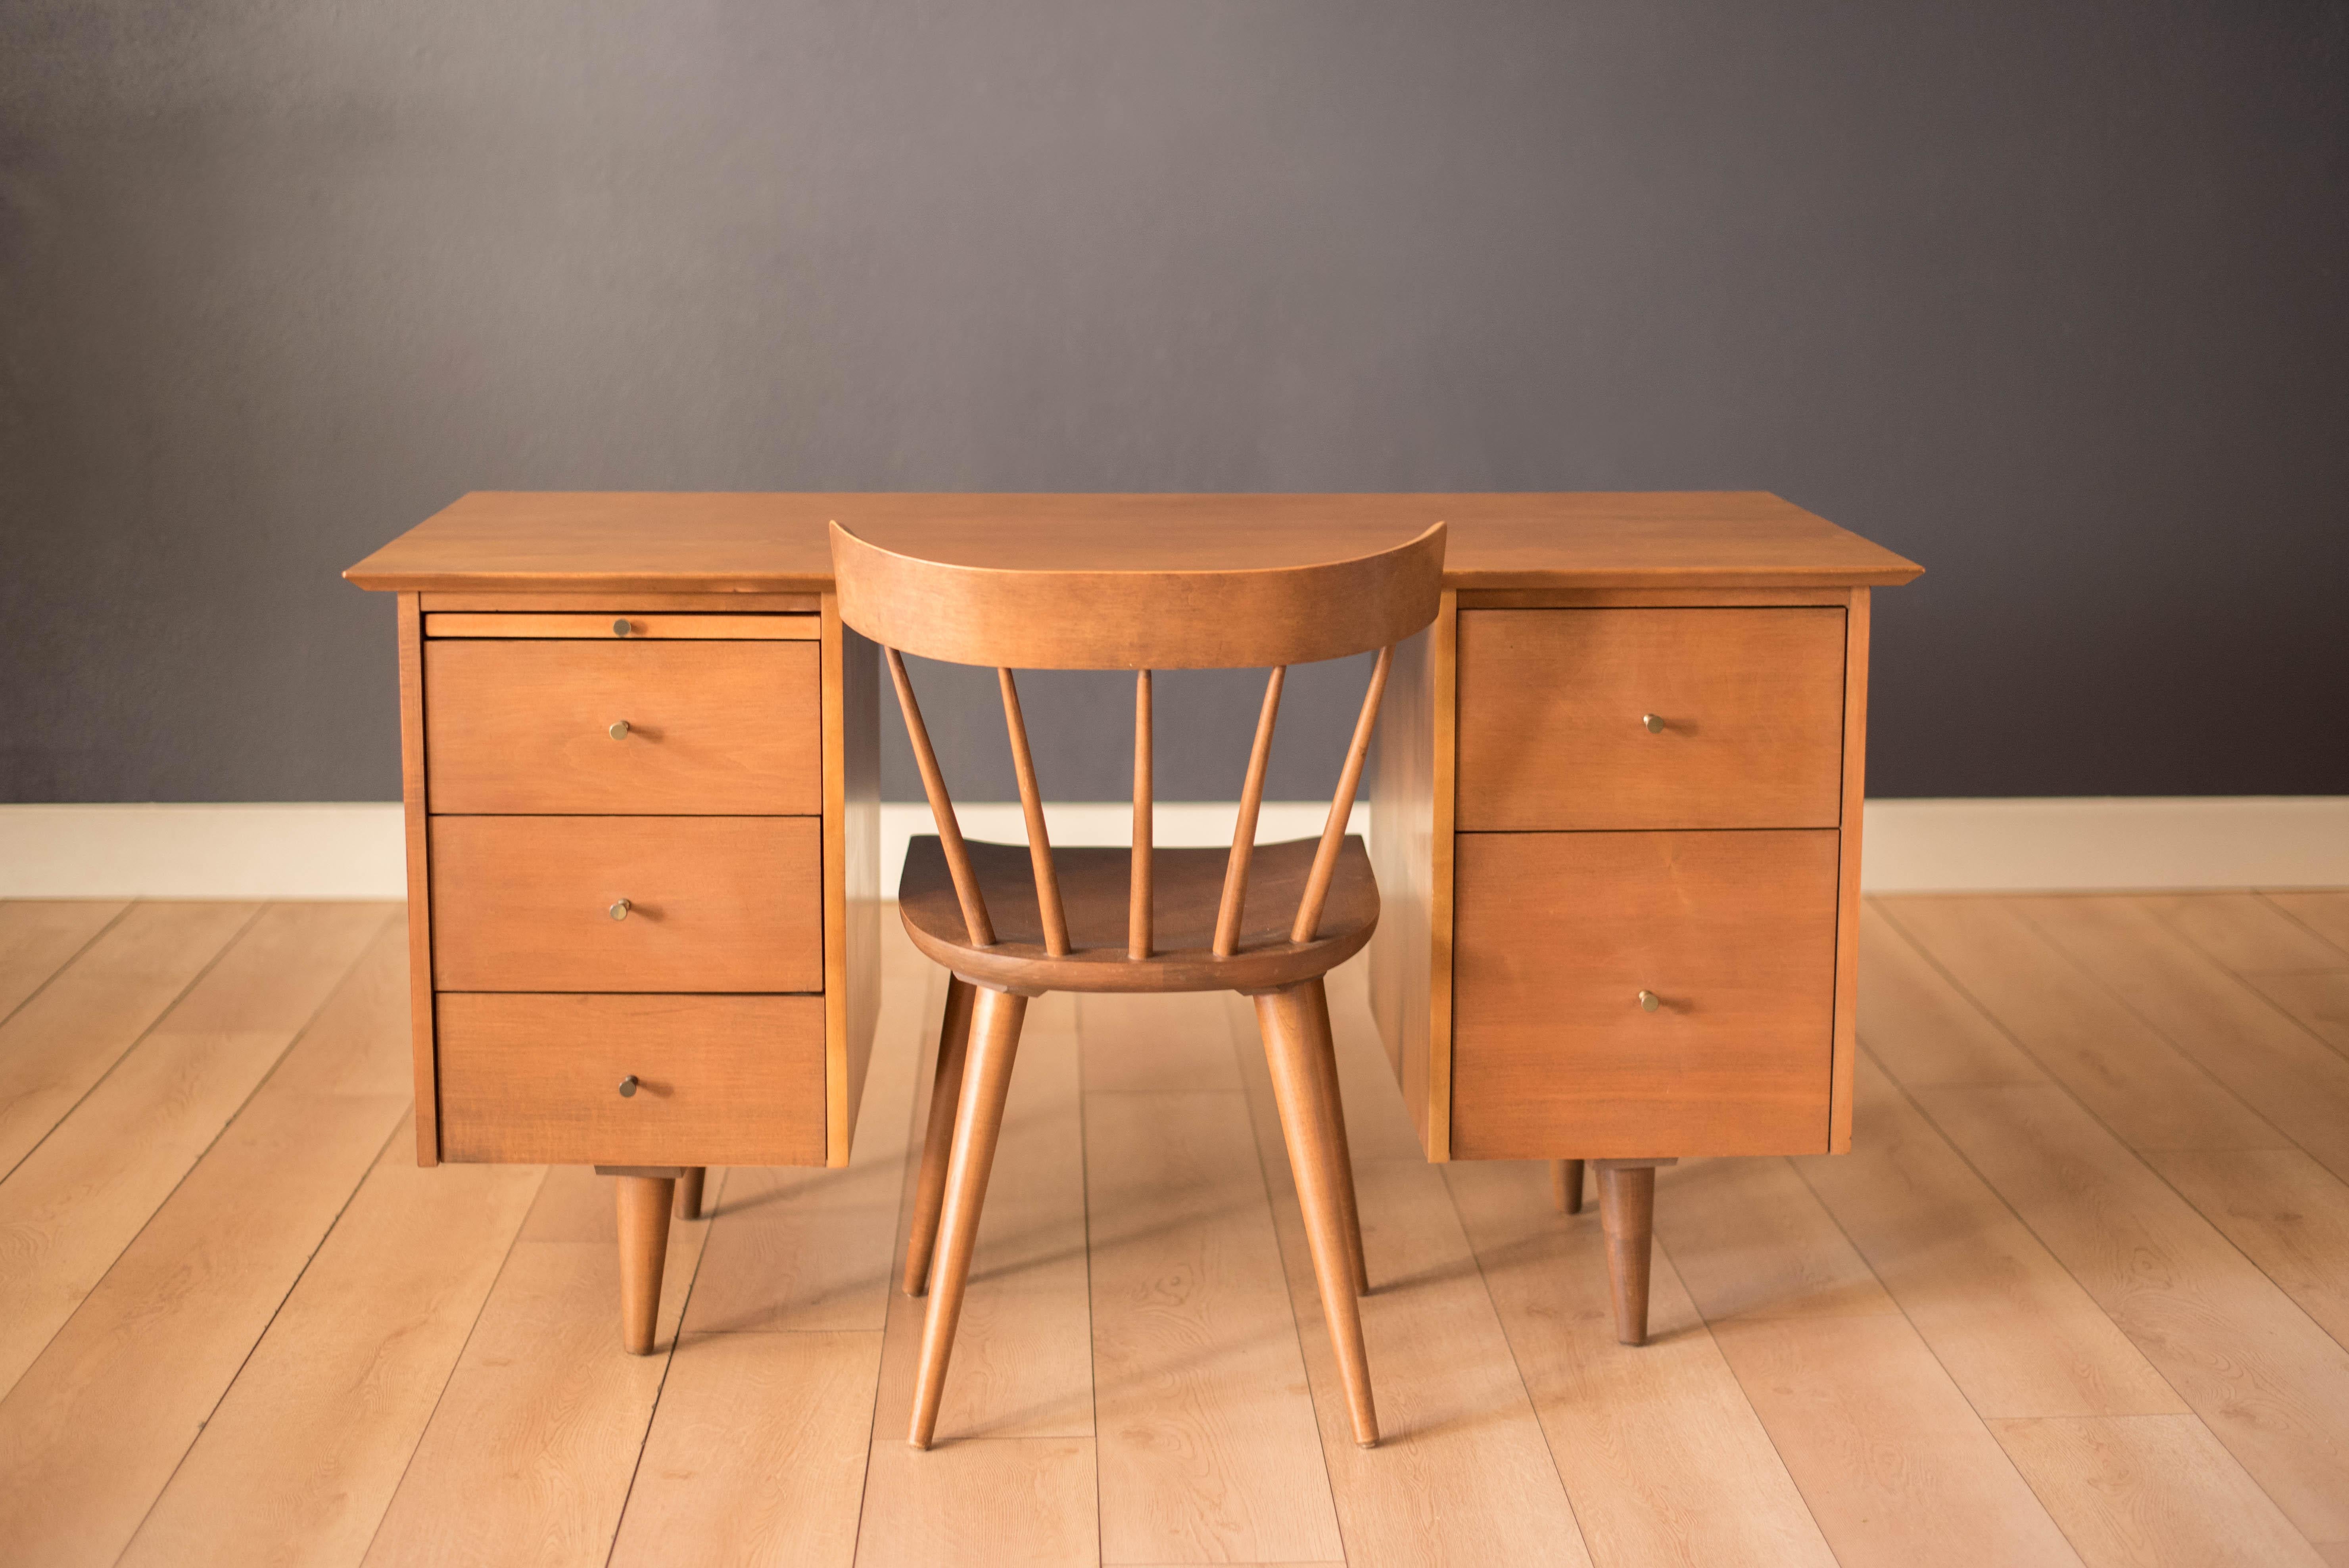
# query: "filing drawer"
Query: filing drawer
{"points": [[714, 728], [1551, 704], [1557, 933], [722, 1080], [716, 903]]}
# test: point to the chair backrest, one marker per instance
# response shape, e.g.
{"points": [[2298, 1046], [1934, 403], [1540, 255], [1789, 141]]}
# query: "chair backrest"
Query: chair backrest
{"points": [[1139, 618]]}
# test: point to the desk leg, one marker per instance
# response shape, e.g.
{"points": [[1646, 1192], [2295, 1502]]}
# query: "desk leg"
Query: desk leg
{"points": [[1566, 1185], [645, 1195], [688, 1192], [1626, 1212]]}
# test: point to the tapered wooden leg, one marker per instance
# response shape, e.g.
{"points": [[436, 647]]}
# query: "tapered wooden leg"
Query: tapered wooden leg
{"points": [[643, 1248], [1626, 1212], [938, 1141], [1294, 1023], [996, 1017], [1566, 1185], [689, 1192], [1325, 1062]]}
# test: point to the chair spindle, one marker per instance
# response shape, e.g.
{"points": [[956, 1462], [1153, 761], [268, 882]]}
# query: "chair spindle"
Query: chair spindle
{"points": [[1236, 870], [1137, 918], [934, 784], [1341, 806], [1031, 803]]}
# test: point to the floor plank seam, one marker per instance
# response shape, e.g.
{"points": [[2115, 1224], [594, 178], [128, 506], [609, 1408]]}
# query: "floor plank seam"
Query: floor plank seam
{"points": [[713, 1201], [2159, 1174], [391, 1495], [1982, 1420], [1990, 1186], [1532, 1406], [202, 1154], [1295, 1327], [69, 959], [2108, 1130], [909, 1161], [1704, 1326], [2170, 1040], [399, 1125], [2267, 898], [164, 1012]]}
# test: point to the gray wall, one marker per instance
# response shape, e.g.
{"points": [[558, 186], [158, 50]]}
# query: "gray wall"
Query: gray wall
{"points": [[2051, 298]]}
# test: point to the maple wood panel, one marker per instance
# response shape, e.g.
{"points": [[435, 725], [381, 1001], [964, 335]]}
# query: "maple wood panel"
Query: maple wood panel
{"points": [[1556, 935], [1552, 702], [715, 728], [590, 541], [717, 903], [720, 1080]]}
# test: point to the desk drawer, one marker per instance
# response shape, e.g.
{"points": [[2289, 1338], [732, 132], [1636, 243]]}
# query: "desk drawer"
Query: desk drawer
{"points": [[1552, 703], [1559, 933], [714, 904], [714, 728], [720, 1080]]}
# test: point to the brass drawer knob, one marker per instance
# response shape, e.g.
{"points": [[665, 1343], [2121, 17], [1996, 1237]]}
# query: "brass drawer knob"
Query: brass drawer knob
{"points": [[1650, 1001], [618, 731], [621, 628], [1653, 722], [620, 910], [628, 1087]]}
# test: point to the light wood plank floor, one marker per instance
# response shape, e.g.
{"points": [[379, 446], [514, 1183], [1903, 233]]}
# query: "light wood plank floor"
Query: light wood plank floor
{"points": [[2079, 1296]]}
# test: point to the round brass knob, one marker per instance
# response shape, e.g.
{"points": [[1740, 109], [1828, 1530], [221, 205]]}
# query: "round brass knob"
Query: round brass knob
{"points": [[620, 910], [1655, 722], [620, 628], [618, 731], [628, 1087], [1650, 1001]]}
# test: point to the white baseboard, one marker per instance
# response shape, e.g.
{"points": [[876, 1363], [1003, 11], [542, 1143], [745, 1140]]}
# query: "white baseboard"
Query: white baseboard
{"points": [[355, 850], [1911, 846], [2114, 842]]}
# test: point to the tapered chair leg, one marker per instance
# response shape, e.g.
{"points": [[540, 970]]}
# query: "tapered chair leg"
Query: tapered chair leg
{"points": [[938, 1141], [689, 1192], [1566, 1185], [1325, 1063], [644, 1206], [1295, 1035], [1626, 1212], [996, 1017]]}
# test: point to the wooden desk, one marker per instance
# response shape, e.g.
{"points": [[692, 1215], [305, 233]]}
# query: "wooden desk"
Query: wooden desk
{"points": [[1615, 818]]}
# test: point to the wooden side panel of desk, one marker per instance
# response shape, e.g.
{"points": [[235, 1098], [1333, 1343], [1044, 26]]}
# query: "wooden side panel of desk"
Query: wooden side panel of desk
{"points": [[1411, 852], [1855, 792], [852, 872], [412, 774]]}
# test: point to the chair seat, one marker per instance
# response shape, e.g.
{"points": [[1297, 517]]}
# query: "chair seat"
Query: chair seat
{"points": [[1187, 887]]}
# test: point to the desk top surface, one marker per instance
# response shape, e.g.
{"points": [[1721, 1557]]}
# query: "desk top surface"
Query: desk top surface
{"points": [[718, 542]]}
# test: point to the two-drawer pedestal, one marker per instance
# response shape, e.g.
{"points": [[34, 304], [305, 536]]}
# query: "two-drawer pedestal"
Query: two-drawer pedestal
{"points": [[1624, 828]]}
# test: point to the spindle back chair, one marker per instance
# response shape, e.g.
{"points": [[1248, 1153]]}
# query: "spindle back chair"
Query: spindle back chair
{"points": [[1012, 922]]}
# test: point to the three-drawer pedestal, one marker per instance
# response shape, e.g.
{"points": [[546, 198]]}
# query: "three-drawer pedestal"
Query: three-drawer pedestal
{"points": [[641, 854]]}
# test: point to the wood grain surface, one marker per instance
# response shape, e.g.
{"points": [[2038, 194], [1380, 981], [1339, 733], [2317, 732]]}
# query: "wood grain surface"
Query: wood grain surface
{"points": [[714, 904], [721, 1080], [713, 728], [587, 541], [1559, 933], [1750, 705]]}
